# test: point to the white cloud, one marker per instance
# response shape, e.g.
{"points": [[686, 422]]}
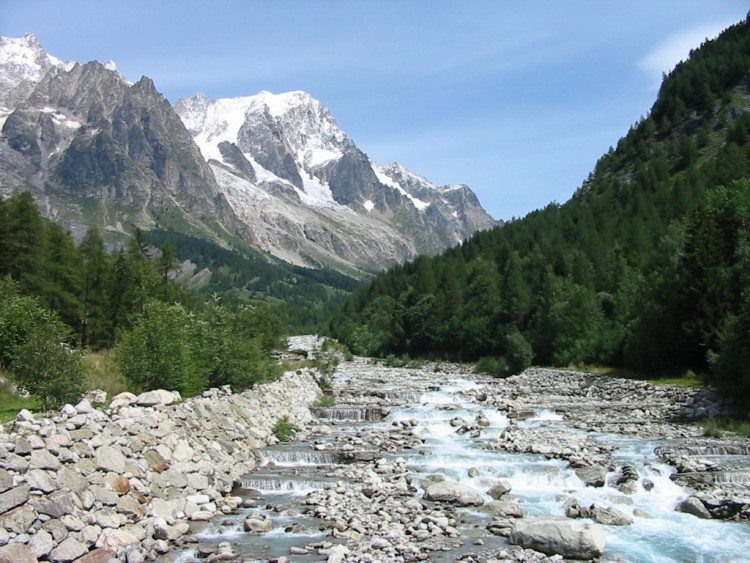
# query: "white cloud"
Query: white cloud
{"points": [[676, 48]]}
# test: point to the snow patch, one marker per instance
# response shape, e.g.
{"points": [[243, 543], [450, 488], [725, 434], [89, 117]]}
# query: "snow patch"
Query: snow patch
{"points": [[384, 178], [369, 205]]}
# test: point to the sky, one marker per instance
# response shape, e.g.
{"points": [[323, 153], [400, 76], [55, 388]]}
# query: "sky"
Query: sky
{"points": [[516, 99]]}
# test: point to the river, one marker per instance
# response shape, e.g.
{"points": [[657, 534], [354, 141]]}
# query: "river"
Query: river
{"points": [[357, 483]]}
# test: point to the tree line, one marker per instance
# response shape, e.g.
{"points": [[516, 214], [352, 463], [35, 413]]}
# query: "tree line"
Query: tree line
{"points": [[645, 267], [58, 298]]}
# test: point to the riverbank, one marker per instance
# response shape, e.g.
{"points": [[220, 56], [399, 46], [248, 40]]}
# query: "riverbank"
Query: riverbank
{"points": [[439, 464], [125, 483]]}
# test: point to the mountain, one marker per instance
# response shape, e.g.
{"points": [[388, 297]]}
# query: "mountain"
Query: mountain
{"points": [[645, 267], [272, 172], [312, 194]]}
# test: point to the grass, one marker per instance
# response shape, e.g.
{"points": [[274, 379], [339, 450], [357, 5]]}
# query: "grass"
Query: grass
{"points": [[101, 372], [687, 379], [284, 430], [716, 427], [325, 401], [11, 403]]}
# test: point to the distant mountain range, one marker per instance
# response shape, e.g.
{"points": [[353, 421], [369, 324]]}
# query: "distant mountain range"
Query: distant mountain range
{"points": [[273, 172]]}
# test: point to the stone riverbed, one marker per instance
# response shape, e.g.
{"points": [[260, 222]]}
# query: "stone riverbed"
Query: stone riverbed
{"points": [[439, 464]]}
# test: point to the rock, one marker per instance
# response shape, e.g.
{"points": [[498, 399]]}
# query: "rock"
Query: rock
{"points": [[84, 407], [41, 543], [257, 525], [592, 476], [573, 539], [18, 520], [473, 472], [69, 550], [155, 461], [609, 516], [13, 497], [694, 506], [42, 459], [40, 480], [17, 553], [122, 400], [110, 459], [337, 554], [499, 489], [100, 555], [116, 540], [156, 397], [56, 504], [453, 493], [504, 509], [6, 480], [25, 415]]}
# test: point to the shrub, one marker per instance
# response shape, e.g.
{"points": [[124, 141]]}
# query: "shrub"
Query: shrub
{"points": [[33, 348], [496, 367], [284, 430]]}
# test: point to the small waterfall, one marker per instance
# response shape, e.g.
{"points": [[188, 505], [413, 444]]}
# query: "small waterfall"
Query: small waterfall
{"points": [[721, 450], [271, 485], [348, 414], [300, 457]]}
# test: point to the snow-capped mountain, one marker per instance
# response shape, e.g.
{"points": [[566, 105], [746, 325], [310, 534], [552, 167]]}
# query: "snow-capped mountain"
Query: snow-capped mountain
{"points": [[273, 171], [289, 147]]}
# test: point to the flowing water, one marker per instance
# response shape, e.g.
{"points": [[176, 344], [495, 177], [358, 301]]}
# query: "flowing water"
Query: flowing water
{"points": [[541, 486]]}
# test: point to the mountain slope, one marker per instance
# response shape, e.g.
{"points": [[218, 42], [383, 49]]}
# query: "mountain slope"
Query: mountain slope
{"points": [[93, 148], [275, 151], [273, 171], [645, 266]]}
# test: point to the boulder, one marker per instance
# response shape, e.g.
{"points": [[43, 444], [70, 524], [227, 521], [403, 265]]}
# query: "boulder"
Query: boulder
{"points": [[499, 489], [17, 553], [156, 397], [504, 509], [573, 539], [122, 400], [609, 516], [13, 497], [592, 476], [69, 549], [453, 493], [694, 506], [110, 459]]}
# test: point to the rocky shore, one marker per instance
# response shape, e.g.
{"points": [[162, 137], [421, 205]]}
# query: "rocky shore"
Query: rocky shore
{"points": [[141, 479], [125, 483]]}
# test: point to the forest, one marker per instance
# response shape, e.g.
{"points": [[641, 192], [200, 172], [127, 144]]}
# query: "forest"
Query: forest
{"points": [[59, 299], [645, 267]]}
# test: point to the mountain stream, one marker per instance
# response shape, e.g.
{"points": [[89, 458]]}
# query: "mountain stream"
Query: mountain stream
{"points": [[351, 488]]}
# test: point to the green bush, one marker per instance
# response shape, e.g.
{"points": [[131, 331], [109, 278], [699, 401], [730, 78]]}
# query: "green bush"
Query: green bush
{"points": [[496, 367], [284, 430], [33, 348], [162, 351]]}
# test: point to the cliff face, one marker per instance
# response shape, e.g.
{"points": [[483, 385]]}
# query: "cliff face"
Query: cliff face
{"points": [[271, 171]]}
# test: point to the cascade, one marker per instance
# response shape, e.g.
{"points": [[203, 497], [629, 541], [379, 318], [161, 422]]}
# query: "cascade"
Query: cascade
{"points": [[540, 485]]}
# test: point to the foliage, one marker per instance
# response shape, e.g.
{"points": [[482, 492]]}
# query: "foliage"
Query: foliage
{"points": [[11, 402], [325, 401], [33, 348], [284, 430], [101, 371], [160, 350], [496, 367], [645, 267], [327, 358]]}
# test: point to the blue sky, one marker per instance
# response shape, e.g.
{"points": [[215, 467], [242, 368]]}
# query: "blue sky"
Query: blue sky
{"points": [[516, 99]]}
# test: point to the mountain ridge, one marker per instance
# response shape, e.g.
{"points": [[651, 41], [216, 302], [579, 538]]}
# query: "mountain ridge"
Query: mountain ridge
{"points": [[273, 171]]}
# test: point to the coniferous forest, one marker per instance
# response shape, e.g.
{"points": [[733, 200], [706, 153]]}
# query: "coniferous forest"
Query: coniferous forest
{"points": [[646, 267]]}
